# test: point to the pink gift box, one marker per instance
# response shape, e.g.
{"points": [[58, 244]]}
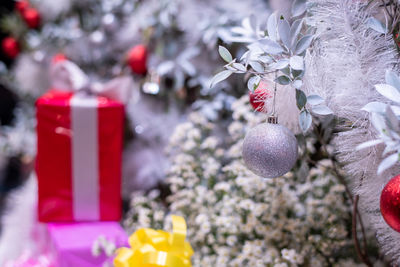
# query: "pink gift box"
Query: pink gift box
{"points": [[28, 259], [72, 243]]}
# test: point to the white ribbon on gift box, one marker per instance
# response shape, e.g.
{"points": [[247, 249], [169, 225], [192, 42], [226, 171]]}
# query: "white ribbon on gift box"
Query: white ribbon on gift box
{"points": [[67, 76]]}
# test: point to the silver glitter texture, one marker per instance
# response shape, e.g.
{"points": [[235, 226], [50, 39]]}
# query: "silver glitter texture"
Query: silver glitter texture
{"points": [[270, 150]]}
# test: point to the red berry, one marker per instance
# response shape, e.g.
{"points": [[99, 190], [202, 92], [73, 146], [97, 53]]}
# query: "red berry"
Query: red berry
{"points": [[21, 6], [137, 59], [10, 47], [58, 58], [31, 17], [260, 95]]}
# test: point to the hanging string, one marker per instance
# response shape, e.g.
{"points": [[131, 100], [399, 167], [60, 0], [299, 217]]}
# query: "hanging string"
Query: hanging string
{"points": [[274, 119], [274, 100]]}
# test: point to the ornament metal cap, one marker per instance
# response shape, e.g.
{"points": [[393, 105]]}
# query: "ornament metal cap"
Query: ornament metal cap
{"points": [[273, 119]]}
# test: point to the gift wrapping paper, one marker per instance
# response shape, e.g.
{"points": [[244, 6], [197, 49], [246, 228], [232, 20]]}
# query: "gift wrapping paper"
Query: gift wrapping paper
{"points": [[79, 157]]}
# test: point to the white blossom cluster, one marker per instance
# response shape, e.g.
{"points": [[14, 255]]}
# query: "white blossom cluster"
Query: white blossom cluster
{"points": [[238, 219]]}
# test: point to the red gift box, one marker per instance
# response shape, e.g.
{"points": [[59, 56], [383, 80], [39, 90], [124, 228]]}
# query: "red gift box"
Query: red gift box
{"points": [[79, 157]]}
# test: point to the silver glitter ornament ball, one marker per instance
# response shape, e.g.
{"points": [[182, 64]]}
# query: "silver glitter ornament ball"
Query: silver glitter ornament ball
{"points": [[270, 150]]}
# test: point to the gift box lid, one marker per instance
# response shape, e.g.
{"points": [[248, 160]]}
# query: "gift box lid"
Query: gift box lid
{"points": [[75, 236], [56, 97]]}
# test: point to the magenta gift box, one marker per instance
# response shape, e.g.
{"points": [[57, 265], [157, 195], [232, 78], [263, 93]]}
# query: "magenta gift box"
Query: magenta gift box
{"points": [[72, 242]]}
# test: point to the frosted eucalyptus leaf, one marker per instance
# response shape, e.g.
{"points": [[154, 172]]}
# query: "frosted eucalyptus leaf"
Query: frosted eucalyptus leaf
{"points": [[314, 100], [253, 82], [379, 107], [225, 54], [239, 67], [322, 110], [283, 80], [239, 30], [219, 77], [253, 22], [297, 84], [294, 32], [391, 120], [388, 162], [299, 7], [271, 47], [396, 110], [303, 44], [375, 107], [378, 122], [247, 25], [286, 71], [305, 120], [265, 59], [271, 27], [255, 50], [368, 144], [388, 149], [296, 63], [245, 56], [280, 64], [301, 99], [376, 25], [284, 32], [389, 92], [256, 66], [297, 74], [392, 79]]}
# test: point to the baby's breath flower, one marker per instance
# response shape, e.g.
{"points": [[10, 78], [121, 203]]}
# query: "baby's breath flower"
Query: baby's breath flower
{"points": [[235, 218]]}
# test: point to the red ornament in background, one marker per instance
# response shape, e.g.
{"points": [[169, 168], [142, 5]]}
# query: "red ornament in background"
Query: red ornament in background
{"points": [[390, 203], [31, 17], [10, 47], [58, 58], [397, 39], [260, 95], [137, 59], [21, 6]]}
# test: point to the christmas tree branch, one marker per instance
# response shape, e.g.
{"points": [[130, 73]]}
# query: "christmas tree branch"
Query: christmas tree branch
{"points": [[362, 256]]}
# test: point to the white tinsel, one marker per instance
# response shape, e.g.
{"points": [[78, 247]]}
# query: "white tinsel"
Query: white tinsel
{"points": [[50, 9], [347, 61], [31, 76], [20, 138], [144, 161], [17, 222]]}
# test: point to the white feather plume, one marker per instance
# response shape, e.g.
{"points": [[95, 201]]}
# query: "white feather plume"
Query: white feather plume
{"points": [[348, 59]]}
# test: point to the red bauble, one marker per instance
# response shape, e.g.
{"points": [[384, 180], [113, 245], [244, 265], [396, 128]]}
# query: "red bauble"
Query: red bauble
{"points": [[58, 58], [260, 95], [31, 17], [137, 59], [10, 47], [397, 39], [21, 6], [390, 203]]}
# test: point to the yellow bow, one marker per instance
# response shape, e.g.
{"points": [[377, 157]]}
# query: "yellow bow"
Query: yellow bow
{"points": [[157, 248]]}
